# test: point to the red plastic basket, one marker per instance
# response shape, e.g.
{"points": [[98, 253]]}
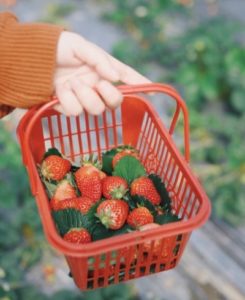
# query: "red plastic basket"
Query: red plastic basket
{"points": [[99, 263]]}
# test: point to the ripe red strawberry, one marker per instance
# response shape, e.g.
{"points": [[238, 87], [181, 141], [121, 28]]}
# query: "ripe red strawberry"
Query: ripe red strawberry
{"points": [[55, 167], [127, 254], [143, 186], [89, 182], [83, 204], [63, 204], [124, 152], [113, 213], [78, 236], [114, 187], [159, 247], [139, 216], [64, 190], [94, 164]]}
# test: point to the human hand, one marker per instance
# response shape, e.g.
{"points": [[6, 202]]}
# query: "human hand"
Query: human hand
{"points": [[85, 75]]}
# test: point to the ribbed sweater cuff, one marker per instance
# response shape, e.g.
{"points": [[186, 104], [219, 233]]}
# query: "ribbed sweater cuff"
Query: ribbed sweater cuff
{"points": [[27, 62]]}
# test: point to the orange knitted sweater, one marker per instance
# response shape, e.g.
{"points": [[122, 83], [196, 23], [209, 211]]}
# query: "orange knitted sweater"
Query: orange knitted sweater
{"points": [[27, 62]]}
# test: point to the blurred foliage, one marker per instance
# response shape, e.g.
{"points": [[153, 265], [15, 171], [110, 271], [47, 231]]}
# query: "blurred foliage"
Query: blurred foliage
{"points": [[206, 63], [209, 67], [22, 244], [56, 13]]}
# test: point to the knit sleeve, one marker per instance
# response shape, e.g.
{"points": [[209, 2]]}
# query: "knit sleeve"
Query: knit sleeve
{"points": [[27, 62]]}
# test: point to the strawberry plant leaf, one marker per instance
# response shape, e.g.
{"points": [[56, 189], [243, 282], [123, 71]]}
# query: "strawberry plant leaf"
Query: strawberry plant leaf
{"points": [[101, 232], [52, 151], [74, 168], [136, 201], [162, 191], [129, 168], [50, 187], [71, 178], [167, 218], [69, 218], [107, 158]]}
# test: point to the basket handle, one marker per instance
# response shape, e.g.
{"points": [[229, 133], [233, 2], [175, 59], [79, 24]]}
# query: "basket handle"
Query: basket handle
{"points": [[126, 90], [180, 105]]}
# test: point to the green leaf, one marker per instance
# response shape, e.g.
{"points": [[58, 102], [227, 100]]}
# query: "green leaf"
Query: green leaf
{"points": [[74, 168], [167, 218], [129, 168], [71, 178], [101, 232], [136, 201], [70, 218], [50, 187], [162, 191], [51, 151], [107, 158]]}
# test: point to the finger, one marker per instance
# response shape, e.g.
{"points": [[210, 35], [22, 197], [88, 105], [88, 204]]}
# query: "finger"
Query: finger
{"points": [[110, 94], [88, 98], [98, 59], [90, 79], [59, 108], [70, 105], [127, 74]]}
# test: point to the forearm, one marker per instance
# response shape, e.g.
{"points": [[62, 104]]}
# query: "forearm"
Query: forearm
{"points": [[27, 62]]}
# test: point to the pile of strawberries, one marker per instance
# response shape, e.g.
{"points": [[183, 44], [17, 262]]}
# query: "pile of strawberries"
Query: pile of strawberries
{"points": [[104, 198]]}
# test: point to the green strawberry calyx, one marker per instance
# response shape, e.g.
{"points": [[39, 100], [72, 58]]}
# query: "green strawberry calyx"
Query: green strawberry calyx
{"points": [[118, 192]]}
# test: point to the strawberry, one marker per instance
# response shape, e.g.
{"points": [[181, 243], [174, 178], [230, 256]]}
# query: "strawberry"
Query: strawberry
{"points": [[94, 163], [83, 204], [122, 153], [143, 186], [112, 213], [157, 248], [63, 204], [55, 167], [114, 187], [127, 254], [89, 182], [64, 190], [78, 236], [139, 216]]}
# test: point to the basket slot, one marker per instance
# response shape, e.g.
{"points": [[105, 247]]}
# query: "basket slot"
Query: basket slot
{"points": [[76, 136], [191, 204], [173, 176], [149, 258], [183, 205], [170, 171], [141, 134], [145, 146], [108, 268], [196, 206], [96, 270], [160, 155], [72, 129], [75, 145], [106, 136], [88, 131], [116, 278], [166, 167]]}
